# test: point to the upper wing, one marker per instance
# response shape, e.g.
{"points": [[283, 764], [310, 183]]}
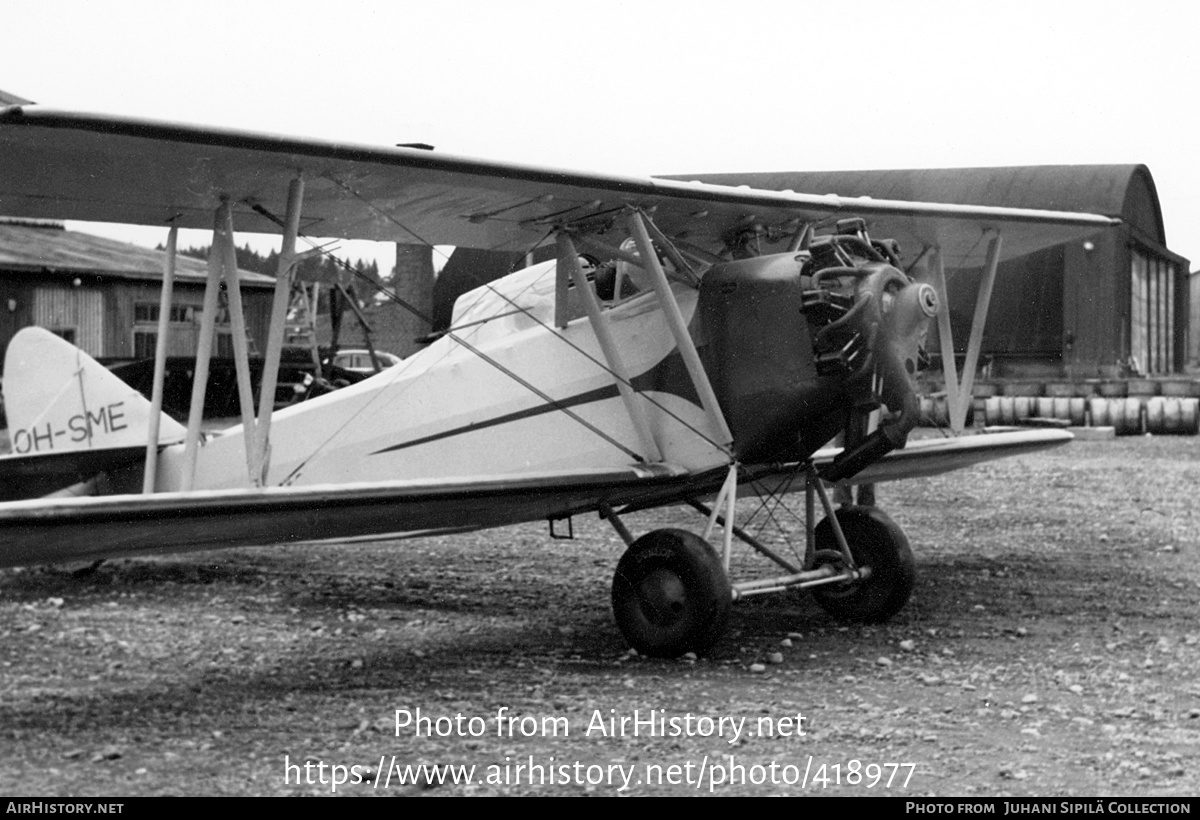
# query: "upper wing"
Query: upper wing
{"points": [[66, 165]]}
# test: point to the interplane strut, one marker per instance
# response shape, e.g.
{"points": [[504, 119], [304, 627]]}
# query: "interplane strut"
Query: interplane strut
{"points": [[958, 388]]}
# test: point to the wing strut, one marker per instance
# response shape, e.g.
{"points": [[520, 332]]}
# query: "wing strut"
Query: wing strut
{"points": [[958, 390], [150, 473], [568, 261], [241, 354], [222, 263], [683, 340], [260, 461], [975, 343], [208, 323]]}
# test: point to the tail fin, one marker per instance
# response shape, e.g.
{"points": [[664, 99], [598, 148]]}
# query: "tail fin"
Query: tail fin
{"points": [[59, 399]]}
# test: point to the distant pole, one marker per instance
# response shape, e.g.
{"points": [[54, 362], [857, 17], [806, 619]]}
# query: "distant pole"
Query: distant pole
{"points": [[414, 284]]}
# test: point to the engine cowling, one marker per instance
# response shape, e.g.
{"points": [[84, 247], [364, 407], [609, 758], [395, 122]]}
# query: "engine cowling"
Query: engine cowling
{"points": [[798, 344]]}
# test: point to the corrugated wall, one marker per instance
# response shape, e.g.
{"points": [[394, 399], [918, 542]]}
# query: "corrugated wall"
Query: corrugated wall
{"points": [[76, 309], [102, 320]]}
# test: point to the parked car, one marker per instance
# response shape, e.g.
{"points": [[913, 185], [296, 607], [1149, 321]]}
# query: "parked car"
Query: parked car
{"points": [[359, 361]]}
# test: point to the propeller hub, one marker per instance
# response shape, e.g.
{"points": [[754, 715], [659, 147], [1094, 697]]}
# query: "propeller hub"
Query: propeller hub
{"points": [[928, 300]]}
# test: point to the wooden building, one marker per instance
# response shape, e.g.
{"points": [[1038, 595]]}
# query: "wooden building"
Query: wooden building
{"points": [[1111, 306], [1193, 358], [103, 295]]}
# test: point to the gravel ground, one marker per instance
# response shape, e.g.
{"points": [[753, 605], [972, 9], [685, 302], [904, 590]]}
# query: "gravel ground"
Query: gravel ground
{"points": [[1050, 648]]}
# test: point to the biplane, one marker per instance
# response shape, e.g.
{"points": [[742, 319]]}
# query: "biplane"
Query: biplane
{"points": [[685, 341]]}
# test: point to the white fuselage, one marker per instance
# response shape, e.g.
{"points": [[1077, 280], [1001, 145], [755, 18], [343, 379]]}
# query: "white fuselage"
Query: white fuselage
{"points": [[450, 411]]}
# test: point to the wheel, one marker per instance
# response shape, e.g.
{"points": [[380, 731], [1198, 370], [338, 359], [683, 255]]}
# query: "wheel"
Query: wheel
{"points": [[670, 594], [878, 543]]}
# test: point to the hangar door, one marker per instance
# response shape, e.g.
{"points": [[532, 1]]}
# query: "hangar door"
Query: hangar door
{"points": [[1152, 314]]}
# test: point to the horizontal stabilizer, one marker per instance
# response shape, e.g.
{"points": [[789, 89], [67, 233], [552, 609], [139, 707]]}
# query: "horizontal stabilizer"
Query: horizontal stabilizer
{"points": [[43, 474]]}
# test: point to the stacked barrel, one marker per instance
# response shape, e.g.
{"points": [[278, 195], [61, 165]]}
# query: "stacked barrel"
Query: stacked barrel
{"points": [[1129, 406]]}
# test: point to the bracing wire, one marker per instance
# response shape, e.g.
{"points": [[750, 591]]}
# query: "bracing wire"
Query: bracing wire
{"points": [[604, 367], [415, 311]]}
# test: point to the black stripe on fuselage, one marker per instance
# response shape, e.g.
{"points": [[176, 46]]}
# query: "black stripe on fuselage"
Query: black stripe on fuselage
{"points": [[668, 376], [590, 396]]}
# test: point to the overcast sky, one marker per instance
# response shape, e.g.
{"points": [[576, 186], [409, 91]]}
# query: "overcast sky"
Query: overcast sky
{"points": [[653, 87]]}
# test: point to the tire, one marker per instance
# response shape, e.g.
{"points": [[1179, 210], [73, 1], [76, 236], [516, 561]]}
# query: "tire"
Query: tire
{"points": [[876, 542], [670, 594]]}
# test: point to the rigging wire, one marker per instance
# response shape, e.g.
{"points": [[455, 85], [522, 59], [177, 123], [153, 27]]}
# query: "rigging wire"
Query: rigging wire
{"points": [[604, 367], [415, 311], [412, 309]]}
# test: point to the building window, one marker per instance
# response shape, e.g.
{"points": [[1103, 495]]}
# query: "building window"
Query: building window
{"points": [[67, 333], [146, 312], [144, 344]]}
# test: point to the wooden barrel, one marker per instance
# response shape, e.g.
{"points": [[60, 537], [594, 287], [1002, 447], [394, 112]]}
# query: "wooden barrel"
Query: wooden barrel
{"points": [[1077, 411], [977, 408], [1143, 387], [1000, 410], [1017, 389], [1116, 416], [935, 411], [1172, 416], [941, 411], [1060, 408], [1043, 407], [1182, 388], [926, 406], [1023, 407], [1156, 415], [1189, 416], [1099, 412], [1126, 416]]}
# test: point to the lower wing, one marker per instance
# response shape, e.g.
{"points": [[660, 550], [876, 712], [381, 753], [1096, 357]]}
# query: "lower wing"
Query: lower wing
{"points": [[929, 457], [57, 530]]}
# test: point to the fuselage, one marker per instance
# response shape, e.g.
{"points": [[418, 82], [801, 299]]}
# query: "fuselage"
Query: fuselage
{"points": [[504, 393], [792, 344]]}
